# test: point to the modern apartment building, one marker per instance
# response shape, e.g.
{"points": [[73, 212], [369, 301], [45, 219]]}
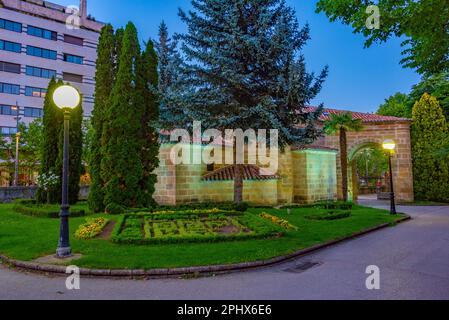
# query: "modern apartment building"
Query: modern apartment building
{"points": [[35, 45]]}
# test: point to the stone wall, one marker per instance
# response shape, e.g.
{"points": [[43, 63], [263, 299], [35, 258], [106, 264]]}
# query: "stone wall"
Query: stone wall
{"points": [[10, 194], [314, 176]]}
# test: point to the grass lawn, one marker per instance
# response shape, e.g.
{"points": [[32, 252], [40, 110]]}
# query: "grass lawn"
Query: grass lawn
{"points": [[27, 238]]}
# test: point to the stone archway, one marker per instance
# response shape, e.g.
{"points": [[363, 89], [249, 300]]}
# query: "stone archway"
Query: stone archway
{"points": [[374, 133], [354, 188]]}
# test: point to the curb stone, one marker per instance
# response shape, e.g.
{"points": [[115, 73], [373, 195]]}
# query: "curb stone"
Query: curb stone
{"points": [[177, 272]]}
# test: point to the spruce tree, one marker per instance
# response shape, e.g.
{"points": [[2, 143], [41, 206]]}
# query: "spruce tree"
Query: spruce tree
{"points": [[430, 132], [147, 90], [121, 166], [104, 78], [245, 71], [52, 124], [169, 63]]}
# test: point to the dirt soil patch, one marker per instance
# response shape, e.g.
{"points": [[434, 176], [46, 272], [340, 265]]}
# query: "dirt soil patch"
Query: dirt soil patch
{"points": [[106, 234]]}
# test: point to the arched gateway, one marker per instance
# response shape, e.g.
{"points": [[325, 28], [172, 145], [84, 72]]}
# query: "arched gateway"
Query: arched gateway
{"points": [[306, 174]]}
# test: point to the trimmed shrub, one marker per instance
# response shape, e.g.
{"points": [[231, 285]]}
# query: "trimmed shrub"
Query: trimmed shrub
{"points": [[31, 208], [329, 216]]}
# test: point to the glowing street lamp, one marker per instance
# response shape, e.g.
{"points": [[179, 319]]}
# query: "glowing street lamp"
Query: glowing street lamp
{"points": [[390, 146], [66, 98]]}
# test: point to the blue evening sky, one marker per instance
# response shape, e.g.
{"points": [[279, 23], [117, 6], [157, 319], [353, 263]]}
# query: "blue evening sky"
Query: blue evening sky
{"points": [[360, 79]]}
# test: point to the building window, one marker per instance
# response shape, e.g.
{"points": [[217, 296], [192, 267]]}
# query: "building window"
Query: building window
{"points": [[72, 77], [7, 110], [40, 72], [35, 92], [33, 112], [8, 131], [73, 59], [9, 88], [42, 53], [10, 25], [73, 40], [9, 67], [10, 46], [42, 33]]}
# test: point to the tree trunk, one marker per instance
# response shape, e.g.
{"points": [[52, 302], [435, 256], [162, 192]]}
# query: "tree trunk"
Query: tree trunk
{"points": [[48, 197], [238, 183], [344, 163]]}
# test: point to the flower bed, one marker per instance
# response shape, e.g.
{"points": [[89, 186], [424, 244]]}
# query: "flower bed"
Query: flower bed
{"points": [[176, 228], [91, 229], [280, 222]]}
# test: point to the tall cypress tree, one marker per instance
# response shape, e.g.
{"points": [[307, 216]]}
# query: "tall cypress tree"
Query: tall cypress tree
{"points": [[121, 166], [104, 78], [245, 71], [52, 124], [147, 90], [430, 133]]}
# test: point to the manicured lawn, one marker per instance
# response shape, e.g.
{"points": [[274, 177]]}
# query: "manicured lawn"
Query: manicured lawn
{"points": [[27, 238]]}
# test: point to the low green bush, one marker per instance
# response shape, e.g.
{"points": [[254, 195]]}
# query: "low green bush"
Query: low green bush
{"points": [[31, 208], [114, 209], [233, 207], [329, 215], [335, 205]]}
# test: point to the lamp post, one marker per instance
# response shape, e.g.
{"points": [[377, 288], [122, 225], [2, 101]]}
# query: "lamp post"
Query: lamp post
{"points": [[390, 146], [66, 98], [16, 108]]}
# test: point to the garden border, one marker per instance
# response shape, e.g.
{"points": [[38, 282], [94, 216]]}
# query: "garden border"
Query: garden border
{"points": [[188, 271]]}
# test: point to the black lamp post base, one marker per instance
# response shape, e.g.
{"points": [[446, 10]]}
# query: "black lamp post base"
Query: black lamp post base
{"points": [[63, 253]]}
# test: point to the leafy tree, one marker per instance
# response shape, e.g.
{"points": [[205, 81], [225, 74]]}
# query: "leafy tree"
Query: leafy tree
{"points": [[424, 24], [437, 86], [52, 124], [31, 146], [246, 71], [147, 84], [396, 106], [371, 163], [430, 132], [342, 124], [121, 167], [104, 76]]}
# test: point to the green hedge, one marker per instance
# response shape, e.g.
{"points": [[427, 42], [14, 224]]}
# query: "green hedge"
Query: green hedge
{"points": [[328, 205], [31, 208], [242, 207]]}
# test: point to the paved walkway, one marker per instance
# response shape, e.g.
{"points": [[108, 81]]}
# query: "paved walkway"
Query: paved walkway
{"points": [[413, 259]]}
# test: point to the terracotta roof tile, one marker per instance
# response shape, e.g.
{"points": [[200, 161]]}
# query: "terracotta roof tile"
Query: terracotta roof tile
{"points": [[365, 117], [250, 172]]}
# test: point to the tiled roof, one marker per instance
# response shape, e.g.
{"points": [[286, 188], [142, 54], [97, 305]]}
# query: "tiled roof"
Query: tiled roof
{"points": [[250, 172], [365, 117]]}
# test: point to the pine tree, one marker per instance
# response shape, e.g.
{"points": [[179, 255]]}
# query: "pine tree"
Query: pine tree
{"points": [[104, 78], [430, 132], [52, 124], [245, 71], [147, 90], [121, 166]]}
